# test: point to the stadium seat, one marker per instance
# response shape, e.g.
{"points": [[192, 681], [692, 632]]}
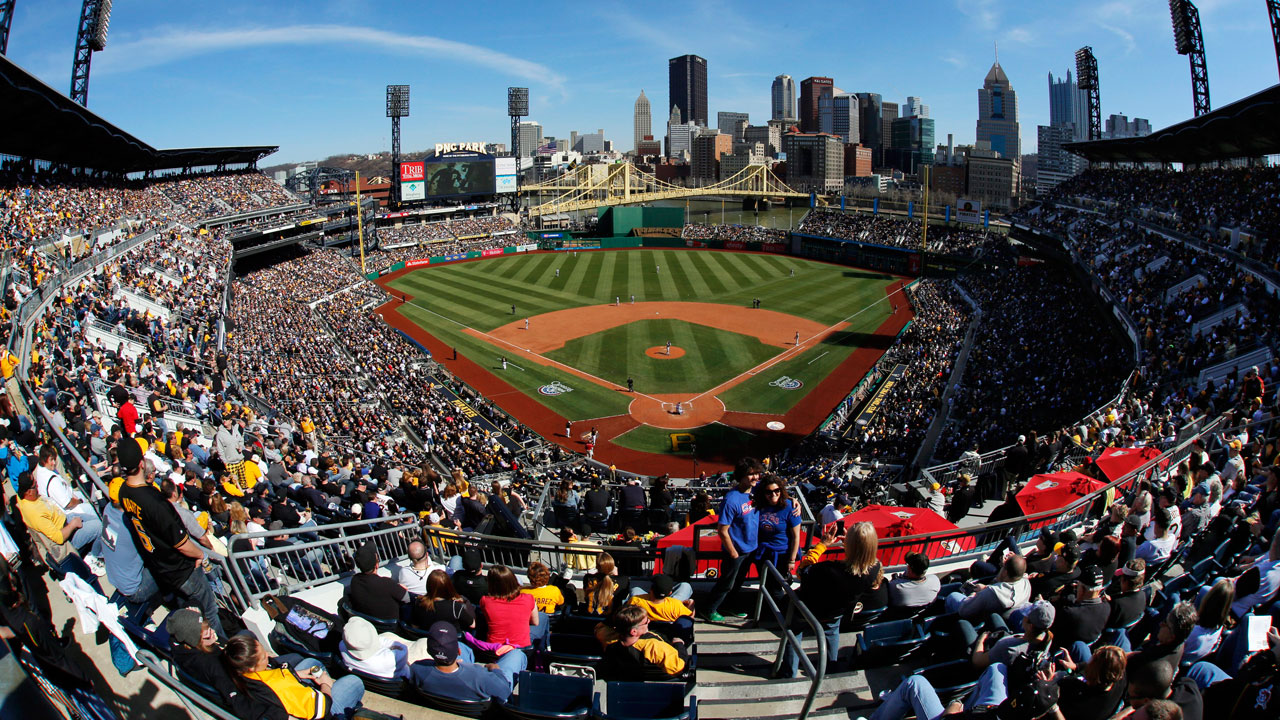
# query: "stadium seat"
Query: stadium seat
{"points": [[285, 644], [887, 643], [393, 688], [645, 701], [1200, 571], [574, 649], [572, 624], [952, 679], [550, 697], [465, 708], [345, 611]]}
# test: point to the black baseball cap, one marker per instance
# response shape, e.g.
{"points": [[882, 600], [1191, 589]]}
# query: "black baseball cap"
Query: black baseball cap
{"points": [[442, 642]]}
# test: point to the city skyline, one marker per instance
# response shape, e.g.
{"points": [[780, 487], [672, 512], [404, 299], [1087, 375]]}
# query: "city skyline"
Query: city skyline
{"points": [[242, 73]]}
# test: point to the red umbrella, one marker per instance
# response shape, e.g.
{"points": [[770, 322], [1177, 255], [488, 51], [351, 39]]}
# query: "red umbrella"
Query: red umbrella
{"points": [[1116, 462], [896, 522], [1056, 490]]}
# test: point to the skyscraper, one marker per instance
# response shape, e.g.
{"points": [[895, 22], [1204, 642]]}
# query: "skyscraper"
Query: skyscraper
{"points": [[998, 114], [642, 120], [733, 124], [915, 108], [1068, 104], [530, 138], [687, 78], [784, 98], [869, 125], [888, 113], [810, 89], [838, 115]]}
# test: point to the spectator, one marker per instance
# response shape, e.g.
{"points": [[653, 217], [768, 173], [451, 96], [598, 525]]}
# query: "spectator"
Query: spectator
{"points": [[739, 525], [509, 612], [382, 655], [604, 590], [196, 650], [1011, 589], [413, 577], [1155, 681], [304, 691], [547, 597], [460, 680], [372, 594], [668, 603], [1131, 604], [471, 581], [1212, 615], [1081, 620], [442, 602], [779, 525], [915, 587], [173, 559], [634, 654], [1159, 548], [1034, 640], [1097, 694]]}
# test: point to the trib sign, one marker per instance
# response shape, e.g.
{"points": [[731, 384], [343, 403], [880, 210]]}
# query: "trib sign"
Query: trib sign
{"points": [[412, 171]]}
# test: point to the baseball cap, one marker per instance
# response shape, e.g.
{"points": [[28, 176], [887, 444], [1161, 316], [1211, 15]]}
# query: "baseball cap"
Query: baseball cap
{"points": [[1091, 578], [1134, 522], [276, 525], [129, 454], [367, 557], [662, 585], [1041, 615], [442, 642], [186, 626], [471, 559]]}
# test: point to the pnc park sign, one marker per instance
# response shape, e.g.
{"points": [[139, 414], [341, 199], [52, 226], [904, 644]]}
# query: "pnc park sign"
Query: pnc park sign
{"points": [[442, 148]]}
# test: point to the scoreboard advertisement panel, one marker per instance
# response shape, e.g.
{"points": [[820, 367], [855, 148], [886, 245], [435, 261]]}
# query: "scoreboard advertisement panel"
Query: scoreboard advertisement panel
{"points": [[458, 174]]}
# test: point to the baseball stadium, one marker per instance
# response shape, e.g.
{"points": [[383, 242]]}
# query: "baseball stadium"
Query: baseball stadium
{"points": [[723, 432]]}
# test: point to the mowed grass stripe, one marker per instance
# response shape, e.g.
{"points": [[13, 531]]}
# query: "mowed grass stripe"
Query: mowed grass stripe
{"points": [[712, 278], [686, 276], [649, 273], [604, 279], [671, 290], [507, 267], [523, 292], [583, 268], [554, 282], [744, 271], [458, 302], [530, 267], [620, 284], [485, 309]]}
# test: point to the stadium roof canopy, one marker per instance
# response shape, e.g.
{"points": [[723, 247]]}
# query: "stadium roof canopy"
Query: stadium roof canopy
{"points": [[1245, 128], [44, 124]]}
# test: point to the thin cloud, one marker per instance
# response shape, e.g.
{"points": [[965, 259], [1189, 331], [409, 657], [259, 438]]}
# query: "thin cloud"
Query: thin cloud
{"points": [[982, 12], [955, 60], [180, 44], [1021, 35], [1126, 37]]}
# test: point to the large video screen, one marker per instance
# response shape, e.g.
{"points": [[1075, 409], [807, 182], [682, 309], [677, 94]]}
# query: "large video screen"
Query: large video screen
{"points": [[446, 178]]}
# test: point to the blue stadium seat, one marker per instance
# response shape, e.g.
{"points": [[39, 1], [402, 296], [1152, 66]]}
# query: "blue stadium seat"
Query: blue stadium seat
{"points": [[888, 643], [345, 611], [952, 679], [550, 697], [465, 708], [645, 701], [574, 649]]}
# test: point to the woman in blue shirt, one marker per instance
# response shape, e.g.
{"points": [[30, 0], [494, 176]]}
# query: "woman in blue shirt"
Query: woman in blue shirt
{"points": [[779, 533]]}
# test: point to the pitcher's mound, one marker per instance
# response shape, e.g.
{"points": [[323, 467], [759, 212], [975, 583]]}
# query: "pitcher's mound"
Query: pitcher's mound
{"points": [[660, 410], [659, 352]]}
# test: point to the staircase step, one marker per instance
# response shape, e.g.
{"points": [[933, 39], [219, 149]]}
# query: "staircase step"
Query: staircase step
{"points": [[711, 688]]}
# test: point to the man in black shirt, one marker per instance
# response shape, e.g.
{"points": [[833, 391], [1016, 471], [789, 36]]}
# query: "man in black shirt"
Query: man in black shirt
{"points": [[371, 594], [173, 558], [1065, 571], [1154, 681], [470, 581], [597, 504], [1131, 603], [1083, 618]]}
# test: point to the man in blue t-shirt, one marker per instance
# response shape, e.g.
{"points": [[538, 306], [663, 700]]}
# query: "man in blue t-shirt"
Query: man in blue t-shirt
{"points": [[462, 680], [739, 524]]}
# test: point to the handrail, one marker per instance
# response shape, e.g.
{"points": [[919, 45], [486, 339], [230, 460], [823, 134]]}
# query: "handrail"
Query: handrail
{"points": [[816, 674]]}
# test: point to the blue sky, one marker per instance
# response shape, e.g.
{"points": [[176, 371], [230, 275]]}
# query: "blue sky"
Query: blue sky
{"points": [[311, 76]]}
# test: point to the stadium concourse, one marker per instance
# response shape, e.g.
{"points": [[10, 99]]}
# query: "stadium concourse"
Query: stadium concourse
{"points": [[251, 498]]}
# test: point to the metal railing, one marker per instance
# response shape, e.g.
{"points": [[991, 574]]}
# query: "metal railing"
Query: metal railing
{"points": [[196, 703], [785, 623], [298, 566]]}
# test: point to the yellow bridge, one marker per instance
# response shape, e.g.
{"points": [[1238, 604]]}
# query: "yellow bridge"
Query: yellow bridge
{"points": [[590, 186]]}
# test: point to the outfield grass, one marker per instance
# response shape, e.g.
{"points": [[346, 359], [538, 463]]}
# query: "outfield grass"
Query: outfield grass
{"points": [[445, 300], [711, 357]]}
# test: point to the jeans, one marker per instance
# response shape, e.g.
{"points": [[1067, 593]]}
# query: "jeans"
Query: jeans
{"points": [[455, 564], [1206, 673], [539, 633], [87, 534], [954, 601], [345, 693], [913, 694], [970, 635], [512, 664], [682, 591], [144, 599], [791, 660], [733, 571], [197, 592], [1080, 652], [992, 688]]}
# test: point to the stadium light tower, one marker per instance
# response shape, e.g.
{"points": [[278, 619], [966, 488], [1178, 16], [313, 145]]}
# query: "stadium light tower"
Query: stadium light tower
{"points": [[1273, 9], [1087, 80], [1188, 40], [517, 107], [397, 107], [95, 16], [6, 19]]}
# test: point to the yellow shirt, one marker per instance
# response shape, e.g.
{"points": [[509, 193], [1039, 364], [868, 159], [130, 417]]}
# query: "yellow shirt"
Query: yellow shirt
{"points": [[8, 364], [667, 609], [299, 700], [547, 597], [308, 427], [43, 518]]}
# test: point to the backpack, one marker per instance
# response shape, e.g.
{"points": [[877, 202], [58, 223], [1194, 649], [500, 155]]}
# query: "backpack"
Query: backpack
{"points": [[305, 624]]}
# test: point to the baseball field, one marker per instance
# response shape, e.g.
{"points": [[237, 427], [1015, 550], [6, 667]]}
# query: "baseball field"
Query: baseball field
{"points": [[671, 354]]}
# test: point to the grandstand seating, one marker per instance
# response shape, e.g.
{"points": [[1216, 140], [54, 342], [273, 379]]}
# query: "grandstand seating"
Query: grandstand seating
{"points": [[302, 351]]}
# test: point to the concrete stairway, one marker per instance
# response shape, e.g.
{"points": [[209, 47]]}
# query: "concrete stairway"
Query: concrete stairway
{"points": [[734, 661]]}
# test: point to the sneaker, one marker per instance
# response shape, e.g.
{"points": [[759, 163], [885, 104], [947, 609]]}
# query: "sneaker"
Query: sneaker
{"points": [[715, 617], [95, 564]]}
